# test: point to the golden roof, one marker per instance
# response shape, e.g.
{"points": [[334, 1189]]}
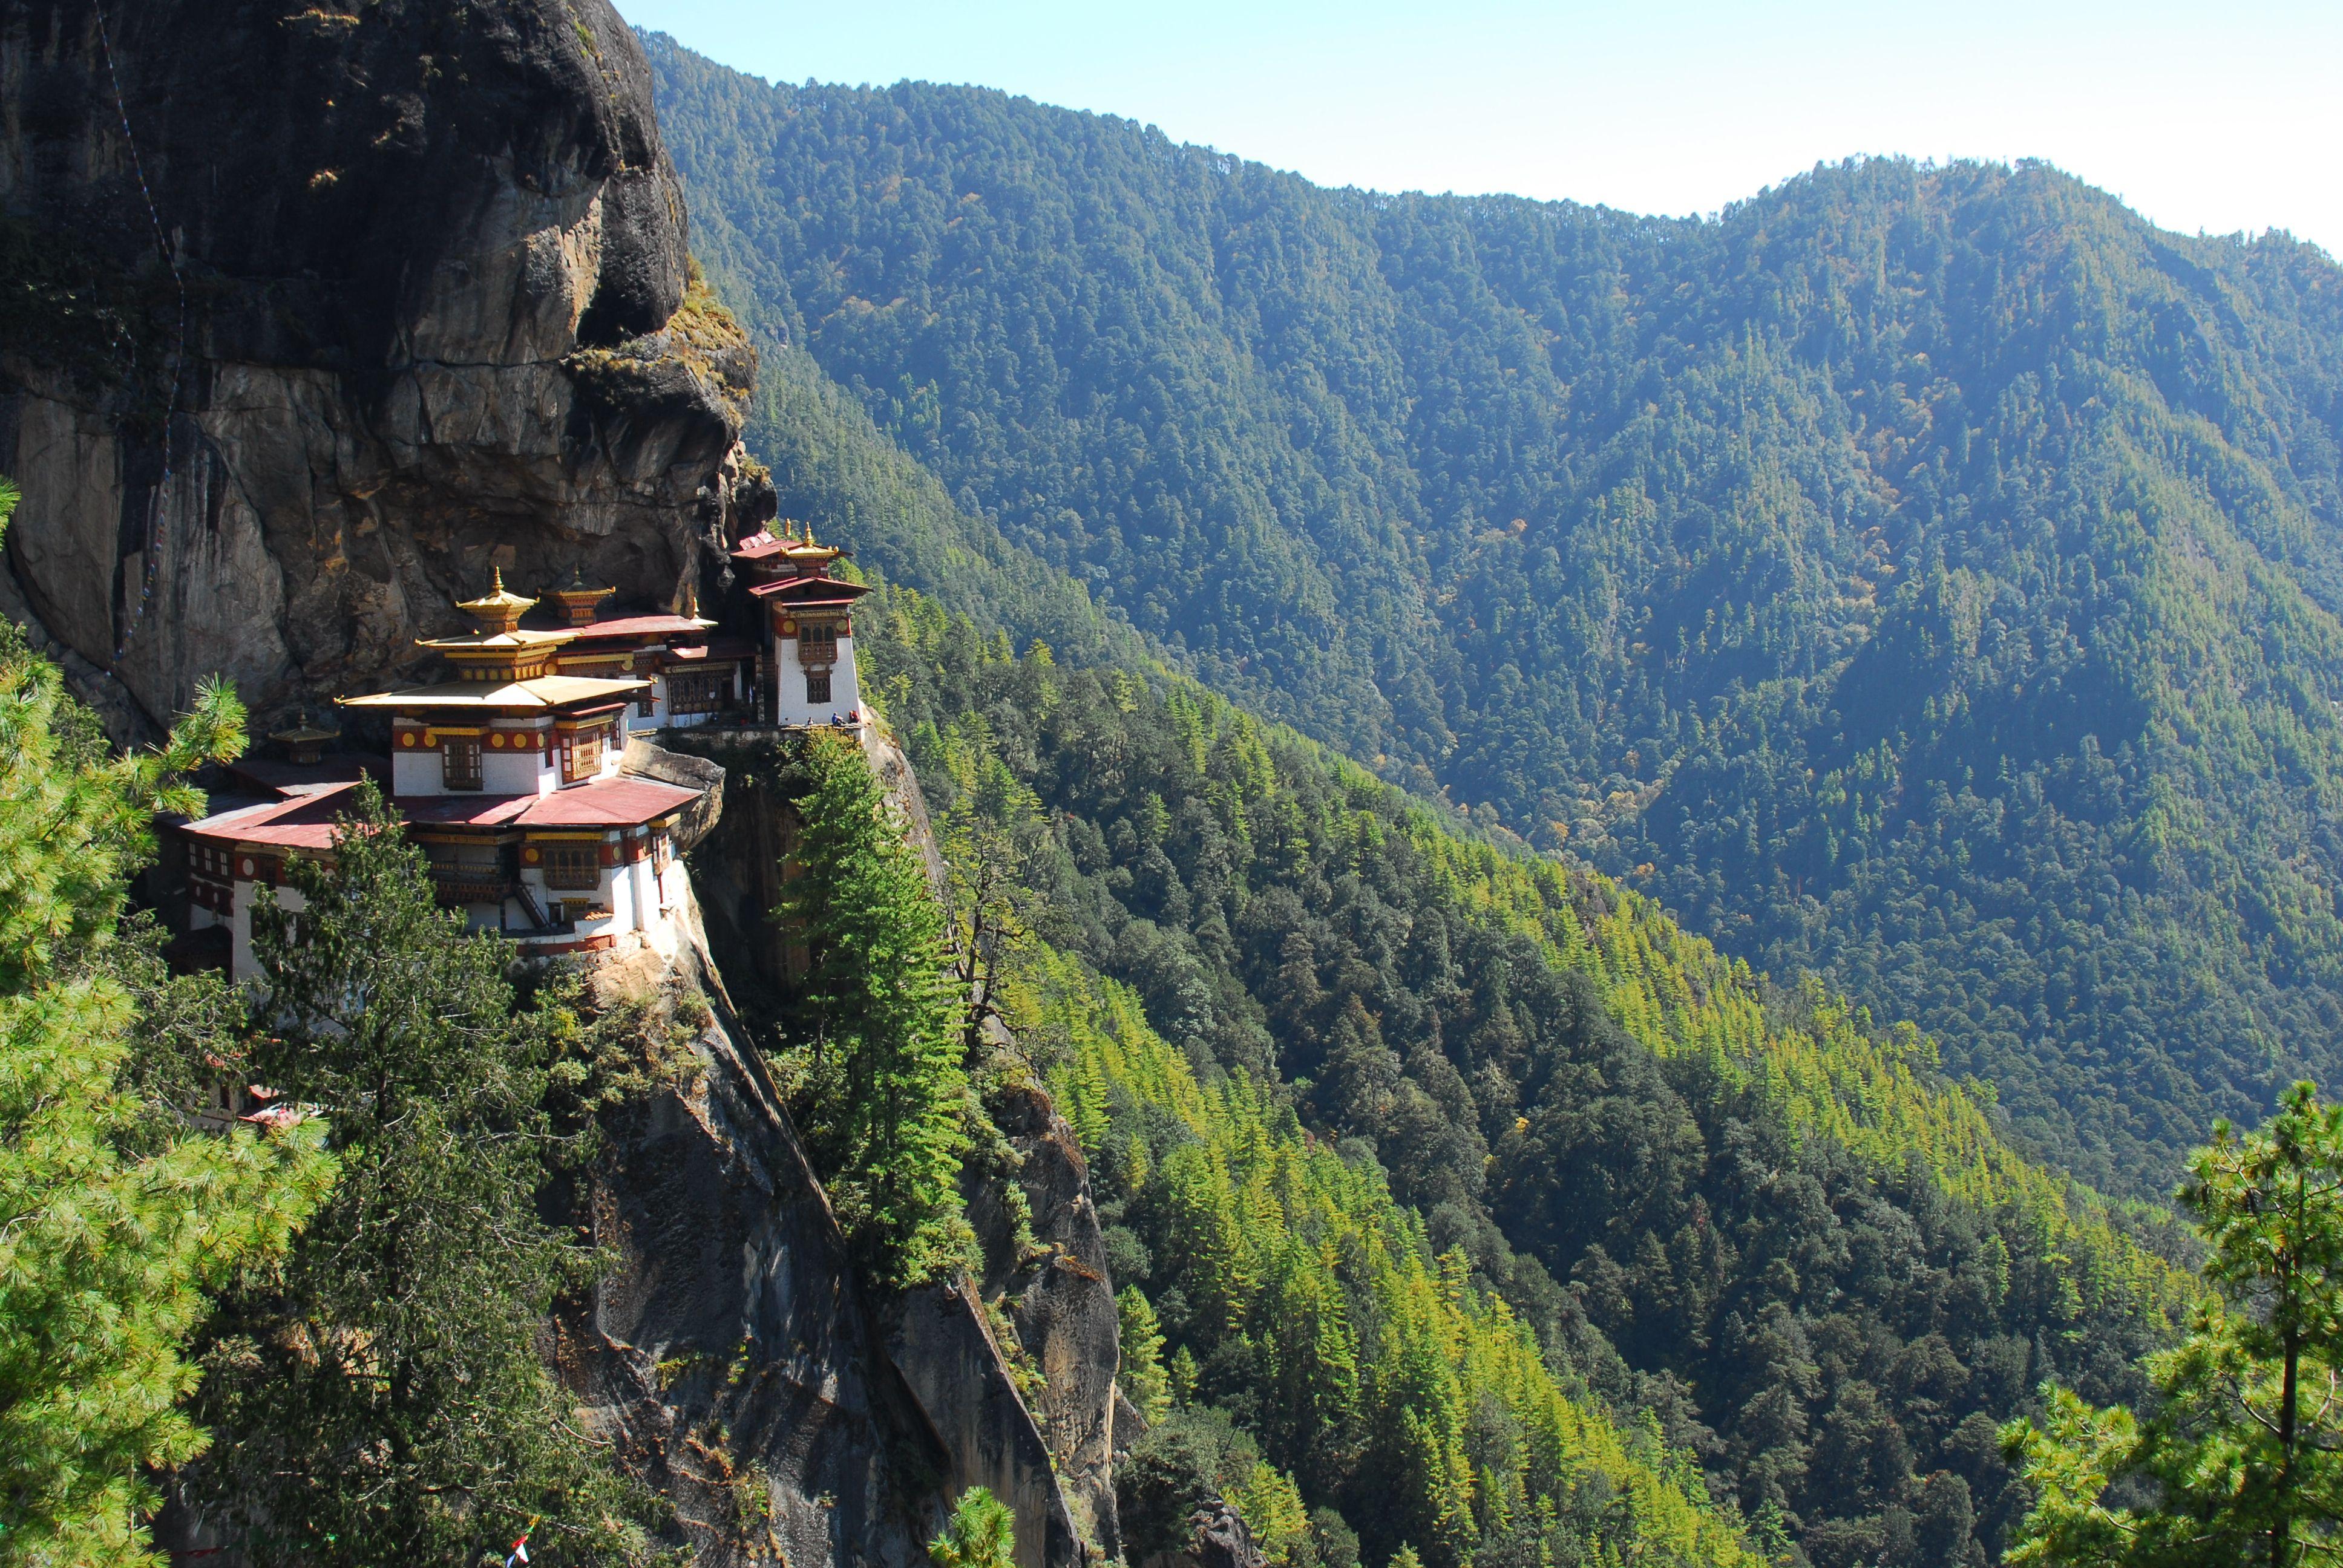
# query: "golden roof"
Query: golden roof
{"points": [[515, 639], [498, 610], [544, 692], [305, 731], [577, 601]]}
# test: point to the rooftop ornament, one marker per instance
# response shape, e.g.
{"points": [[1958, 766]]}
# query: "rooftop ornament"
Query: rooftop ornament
{"points": [[305, 739], [499, 610]]}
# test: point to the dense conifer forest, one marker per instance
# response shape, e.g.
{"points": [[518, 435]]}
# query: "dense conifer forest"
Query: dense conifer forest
{"points": [[1746, 1211], [1925, 576]]}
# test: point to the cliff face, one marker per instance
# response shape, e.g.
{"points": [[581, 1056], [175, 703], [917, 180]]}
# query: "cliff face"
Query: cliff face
{"points": [[1047, 1308], [325, 312], [728, 1356], [733, 1361]]}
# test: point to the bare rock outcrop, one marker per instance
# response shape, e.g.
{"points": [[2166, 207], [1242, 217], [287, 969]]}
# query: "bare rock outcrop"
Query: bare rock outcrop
{"points": [[1059, 1300], [728, 1356], [326, 310]]}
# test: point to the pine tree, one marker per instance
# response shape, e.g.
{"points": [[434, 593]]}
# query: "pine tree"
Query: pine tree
{"points": [[386, 1391], [1144, 1380], [115, 1218], [981, 1533], [2244, 1449], [886, 1099]]}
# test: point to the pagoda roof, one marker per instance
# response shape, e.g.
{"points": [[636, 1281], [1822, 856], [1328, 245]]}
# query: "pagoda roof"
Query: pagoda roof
{"points": [[309, 822], [518, 639], [765, 544], [305, 732], [546, 693], [499, 604], [661, 624], [812, 591]]}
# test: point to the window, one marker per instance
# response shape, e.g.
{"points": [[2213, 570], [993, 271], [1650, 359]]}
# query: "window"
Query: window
{"points": [[585, 755], [817, 687], [573, 865], [701, 691], [466, 873], [647, 705], [459, 762], [816, 645]]}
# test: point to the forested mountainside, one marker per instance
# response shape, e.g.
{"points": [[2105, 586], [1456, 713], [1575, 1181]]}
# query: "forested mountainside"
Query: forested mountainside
{"points": [[1783, 1235], [1925, 577]]}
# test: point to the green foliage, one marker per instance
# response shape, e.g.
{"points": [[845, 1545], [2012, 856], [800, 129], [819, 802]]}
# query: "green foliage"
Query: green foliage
{"points": [[1925, 576], [1146, 1382], [2243, 1446], [885, 1106], [1814, 1260], [385, 1393], [115, 1218], [981, 1533], [1376, 1376]]}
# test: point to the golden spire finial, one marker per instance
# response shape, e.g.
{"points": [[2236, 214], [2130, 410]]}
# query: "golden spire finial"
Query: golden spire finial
{"points": [[496, 610]]}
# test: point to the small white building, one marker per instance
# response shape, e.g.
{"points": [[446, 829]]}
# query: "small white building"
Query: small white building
{"points": [[508, 776], [808, 630]]}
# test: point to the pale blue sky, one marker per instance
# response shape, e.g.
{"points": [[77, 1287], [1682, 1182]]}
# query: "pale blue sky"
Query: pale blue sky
{"points": [[2207, 116]]}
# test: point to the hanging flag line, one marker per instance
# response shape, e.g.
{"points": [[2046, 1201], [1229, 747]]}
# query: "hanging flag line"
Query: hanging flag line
{"points": [[520, 1547], [178, 351]]}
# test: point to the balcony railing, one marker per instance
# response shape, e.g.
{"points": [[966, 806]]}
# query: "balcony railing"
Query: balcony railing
{"points": [[460, 885]]}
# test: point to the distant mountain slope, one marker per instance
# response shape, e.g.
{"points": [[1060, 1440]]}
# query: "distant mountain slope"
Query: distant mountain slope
{"points": [[1814, 1263], [1931, 575]]}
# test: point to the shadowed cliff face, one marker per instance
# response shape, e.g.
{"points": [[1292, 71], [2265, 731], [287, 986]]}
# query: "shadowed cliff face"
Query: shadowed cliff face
{"points": [[410, 299]]}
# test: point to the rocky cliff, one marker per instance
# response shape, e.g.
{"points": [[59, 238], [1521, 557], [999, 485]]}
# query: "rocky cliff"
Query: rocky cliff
{"points": [[1013, 1374], [315, 313]]}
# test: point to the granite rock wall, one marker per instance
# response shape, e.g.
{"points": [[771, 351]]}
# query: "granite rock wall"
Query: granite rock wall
{"points": [[327, 311]]}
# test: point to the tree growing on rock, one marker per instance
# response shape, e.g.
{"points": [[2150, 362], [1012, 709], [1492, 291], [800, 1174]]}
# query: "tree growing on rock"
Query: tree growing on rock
{"points": [[885, 1105]]}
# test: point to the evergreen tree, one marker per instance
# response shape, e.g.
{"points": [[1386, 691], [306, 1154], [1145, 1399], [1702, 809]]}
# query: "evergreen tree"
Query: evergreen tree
{"points": [[886, 1100], [114, 1216], [981, 1533], [1144, 1380], [387, 1393], [2244, 1449]]}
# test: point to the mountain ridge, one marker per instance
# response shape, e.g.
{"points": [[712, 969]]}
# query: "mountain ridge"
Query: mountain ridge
{"points": [[1931, 574]]}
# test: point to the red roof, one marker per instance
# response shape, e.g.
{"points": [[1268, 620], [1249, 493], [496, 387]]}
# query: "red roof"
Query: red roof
{"points": [[305, 821], [660, 625], [608, 803], [303, 777], [309, 822], [802, 590], [461, 811]]}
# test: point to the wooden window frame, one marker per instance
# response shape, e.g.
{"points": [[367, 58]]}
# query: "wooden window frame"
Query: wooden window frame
{"points": [[566, 864], [579, 743], [453, 747]]}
